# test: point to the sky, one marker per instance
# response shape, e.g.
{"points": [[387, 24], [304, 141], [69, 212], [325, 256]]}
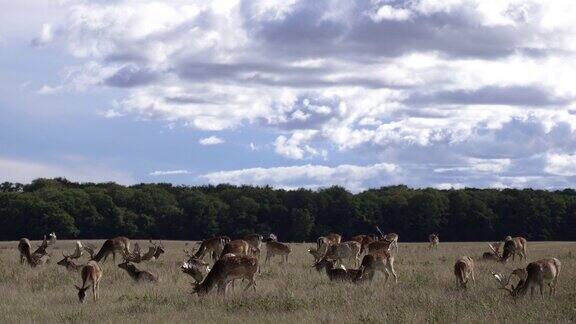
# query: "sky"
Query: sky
{"points": [[362, 94]]}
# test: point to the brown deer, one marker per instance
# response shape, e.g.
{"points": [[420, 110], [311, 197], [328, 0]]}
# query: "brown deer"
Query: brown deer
{"points": [[91, 275], [537, 273], [434, 240], [348, 250], [139, 276], [390, 237], [274, 248], [38, 257], [119, 244], [237, 247], [70, 265], [364, 240], [226, 270], [212, 246], [379, 247], [338, 273], [254, 240], [512, 246], [464, 270], [383, 262]]}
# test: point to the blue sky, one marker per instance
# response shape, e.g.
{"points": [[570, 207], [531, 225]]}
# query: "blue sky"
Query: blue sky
{"points": [[290, 93]]}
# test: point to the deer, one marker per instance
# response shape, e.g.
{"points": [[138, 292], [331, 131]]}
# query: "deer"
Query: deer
{"points": [[378, 247], [464, 270], [70, 265], [136, 256], [537, 273], [139, 276], [512, 246], [338, 273], [494, 253], [315, 253], [212, 246], [364, 240], [348, 250], [434, 240], [111, 246], [237, 247], [33, 258], [91, 274], [390, 237], [254, 240], [227, 269], [276, 248], [324, 242], [196, 268], [383, 262]]}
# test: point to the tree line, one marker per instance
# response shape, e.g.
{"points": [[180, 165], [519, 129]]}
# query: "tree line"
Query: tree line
{"points": [[165, 211]]}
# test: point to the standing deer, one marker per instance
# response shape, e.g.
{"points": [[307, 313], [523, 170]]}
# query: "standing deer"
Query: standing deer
{"points": [[226, 270], [119, 244], [464, 270], [236, 247], [348, 250], [383, 262], [212, 246], [276, 248], [140, 276], [390, 237], [537, 273], [512, 246], [255, 240], [434, 240], [364, 241], [33, 258], [338, 273], [324, 242], [91, 275]]}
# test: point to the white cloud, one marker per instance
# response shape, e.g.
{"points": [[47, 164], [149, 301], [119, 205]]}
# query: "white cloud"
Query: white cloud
{"points": [[295, 146], [71, 168], [212, 140], [168, 172], [45, 37], [353, 177], [561, 164], [387, 12]]}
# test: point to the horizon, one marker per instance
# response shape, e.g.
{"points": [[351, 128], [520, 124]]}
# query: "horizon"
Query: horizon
{"points": [[290, 94]]}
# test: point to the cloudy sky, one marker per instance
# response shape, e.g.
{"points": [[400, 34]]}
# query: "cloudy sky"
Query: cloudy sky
{"points": [[440, 93]]}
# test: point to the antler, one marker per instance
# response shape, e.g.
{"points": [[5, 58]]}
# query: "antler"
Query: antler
{"points": [[500, 279], [379, 231], [494, 250]]}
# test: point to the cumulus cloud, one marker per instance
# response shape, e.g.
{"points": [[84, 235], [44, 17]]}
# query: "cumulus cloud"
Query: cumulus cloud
{"points": [[353, 177], [212, 140], [457, 92], [45, 36]]}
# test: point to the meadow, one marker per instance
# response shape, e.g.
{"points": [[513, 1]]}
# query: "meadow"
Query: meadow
{"points": [[294, 292]]}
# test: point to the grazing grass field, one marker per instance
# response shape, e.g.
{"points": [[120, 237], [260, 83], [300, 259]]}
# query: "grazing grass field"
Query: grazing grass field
{"points": [[293, 292]]}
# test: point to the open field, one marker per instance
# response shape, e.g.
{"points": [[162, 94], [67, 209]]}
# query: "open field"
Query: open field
{"points": [[293, 292]]}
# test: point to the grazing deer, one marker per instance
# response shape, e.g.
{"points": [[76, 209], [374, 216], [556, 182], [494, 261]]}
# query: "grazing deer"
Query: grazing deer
{"points": [[111, 246], [512, 246], [364, 240], [276, 248], [383, 262], [434, 240], [33, 258], [226, 270], [338, 273], [91, 275], [348, 250], [537, 273], [464, 270], [196, 268], [140, 276], [315, 253], [237, 247], [390, 237], [212, 246], [70, 265]]}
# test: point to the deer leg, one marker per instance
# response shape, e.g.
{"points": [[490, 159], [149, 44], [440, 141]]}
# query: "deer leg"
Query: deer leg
{"points": [[114, 256]]}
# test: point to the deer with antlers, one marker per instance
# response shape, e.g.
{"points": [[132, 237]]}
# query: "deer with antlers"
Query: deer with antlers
{"points": [[537, 273], [196, 268], [91, 274], [434, 240], [212, 246], [226, 270], [338, 273], [390, 237], [119, 244], [70, 265], [464, 271], [136, 256], [38, 257], [512, 247]]}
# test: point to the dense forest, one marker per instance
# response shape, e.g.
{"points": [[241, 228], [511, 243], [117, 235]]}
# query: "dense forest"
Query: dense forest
{"points": [[165, 211]]}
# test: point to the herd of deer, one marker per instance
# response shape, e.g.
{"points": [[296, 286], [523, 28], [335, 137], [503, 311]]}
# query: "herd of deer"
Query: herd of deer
{"points": [[238, 259]]}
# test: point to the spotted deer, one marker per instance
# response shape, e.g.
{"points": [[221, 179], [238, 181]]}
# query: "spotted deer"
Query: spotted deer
{"points": [[227, 269], [347, 250], [537, 273], [390, 237], [118, 244], [274, 248], [237, 247], [91, 274]]}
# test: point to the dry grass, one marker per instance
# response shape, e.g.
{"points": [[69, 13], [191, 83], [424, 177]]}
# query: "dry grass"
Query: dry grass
{"points": [[293, 292]]}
